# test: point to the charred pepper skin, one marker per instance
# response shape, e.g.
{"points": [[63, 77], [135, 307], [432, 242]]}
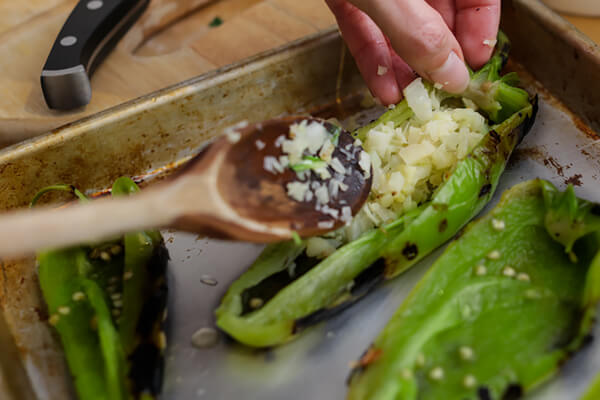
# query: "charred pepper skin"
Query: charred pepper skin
{"points": [[107, 302], [497, 326], [339, 280], [459, 199]]}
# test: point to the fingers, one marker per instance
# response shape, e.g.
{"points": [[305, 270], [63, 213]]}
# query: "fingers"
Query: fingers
{"points": [[420, 36], [369, 48], [477, 24], [447, 10], [403, 72]]}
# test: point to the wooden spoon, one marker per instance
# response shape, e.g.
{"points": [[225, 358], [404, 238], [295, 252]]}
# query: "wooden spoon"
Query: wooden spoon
{"points": [[223, 192]]}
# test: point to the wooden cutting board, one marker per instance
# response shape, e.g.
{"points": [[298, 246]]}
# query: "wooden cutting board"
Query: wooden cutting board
{"points": [[172, 41], [588, 25]]}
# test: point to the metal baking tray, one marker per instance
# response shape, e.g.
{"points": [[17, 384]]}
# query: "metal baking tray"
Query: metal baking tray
{"points": [[152, 136]]}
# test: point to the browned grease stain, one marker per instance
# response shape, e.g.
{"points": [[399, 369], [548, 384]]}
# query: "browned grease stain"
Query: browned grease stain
{"points": [[370, 357], [575, 180], [538, 155], [551, 161]]}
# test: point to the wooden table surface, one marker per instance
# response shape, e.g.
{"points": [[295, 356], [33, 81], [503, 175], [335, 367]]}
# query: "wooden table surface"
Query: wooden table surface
{"points": [[589, 26], [171, 42]]}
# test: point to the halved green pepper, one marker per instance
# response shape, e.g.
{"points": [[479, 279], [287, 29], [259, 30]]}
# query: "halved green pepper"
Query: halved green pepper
{"points": [[498, 313], [107, 301], [285, 290]]}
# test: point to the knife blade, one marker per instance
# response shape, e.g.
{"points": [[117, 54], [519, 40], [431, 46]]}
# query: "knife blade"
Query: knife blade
{"points": [[90, 32]]}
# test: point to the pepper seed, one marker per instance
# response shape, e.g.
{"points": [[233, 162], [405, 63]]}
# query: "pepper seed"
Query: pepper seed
{"points": [[256, 302], [208, 280], [508, 271], [64, 310], [78, 296], [466, 353], [522, 276], [469, 381], [436, 374], [493, 255], [406, 373], [480, 270], [53, 320], [127, 275], [420, 360], [205, 337], [498, 224]]}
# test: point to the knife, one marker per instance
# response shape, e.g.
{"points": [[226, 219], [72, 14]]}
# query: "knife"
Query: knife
{"points": [[88, 35]]}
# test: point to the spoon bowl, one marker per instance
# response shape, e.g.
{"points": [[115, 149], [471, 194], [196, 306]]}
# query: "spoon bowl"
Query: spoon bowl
{"points": [[257, 195]]}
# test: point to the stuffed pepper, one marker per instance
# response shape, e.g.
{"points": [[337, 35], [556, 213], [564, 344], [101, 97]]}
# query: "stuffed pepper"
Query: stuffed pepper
{"points": [[436, 159]]}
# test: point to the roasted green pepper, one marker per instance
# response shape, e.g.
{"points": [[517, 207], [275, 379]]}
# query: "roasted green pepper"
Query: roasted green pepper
{"points": [[107, 301], [285, 290], [593, 392], [503, 307]]}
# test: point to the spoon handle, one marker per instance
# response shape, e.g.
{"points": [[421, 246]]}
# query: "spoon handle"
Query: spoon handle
{"points": [[25, 231]]}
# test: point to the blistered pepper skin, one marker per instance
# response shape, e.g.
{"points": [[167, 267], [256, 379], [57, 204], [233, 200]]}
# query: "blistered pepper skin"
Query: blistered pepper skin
{"points": [[107, 302], [498, 313], [468, 190]]}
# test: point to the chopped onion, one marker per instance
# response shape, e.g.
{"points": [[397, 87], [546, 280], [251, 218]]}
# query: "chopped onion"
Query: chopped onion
{"points": [[418, 100], [337, 166], [364, 163], [297, 190], [381, 70], [490, 42], [325, 224], [320, 247], [322, 194]]}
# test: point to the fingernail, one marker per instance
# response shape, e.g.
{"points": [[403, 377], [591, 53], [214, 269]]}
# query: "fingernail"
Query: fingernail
{"points": [[453, 74]]}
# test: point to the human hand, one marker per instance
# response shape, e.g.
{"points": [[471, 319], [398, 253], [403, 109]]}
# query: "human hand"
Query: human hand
{"points": [[390, 38]]}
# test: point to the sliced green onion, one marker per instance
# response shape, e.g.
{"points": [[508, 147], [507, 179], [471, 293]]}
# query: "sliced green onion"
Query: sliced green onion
{"points": [[309, 162], [64, 188], [297, 239], [215, 22], [336, 135]]}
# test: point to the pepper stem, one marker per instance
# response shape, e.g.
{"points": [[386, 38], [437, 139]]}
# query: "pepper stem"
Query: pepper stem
{"points": [[63, 188]]}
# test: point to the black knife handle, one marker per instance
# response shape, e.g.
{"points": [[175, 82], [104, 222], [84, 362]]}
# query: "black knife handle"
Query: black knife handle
{"points": [[90, 32]]}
